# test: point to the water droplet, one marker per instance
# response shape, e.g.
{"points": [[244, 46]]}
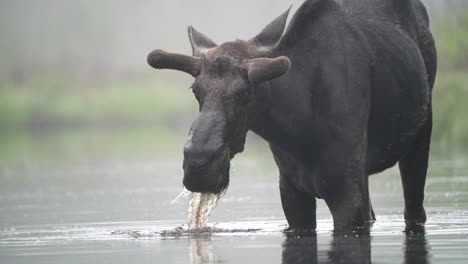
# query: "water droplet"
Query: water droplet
{"points": [[184, 194]]}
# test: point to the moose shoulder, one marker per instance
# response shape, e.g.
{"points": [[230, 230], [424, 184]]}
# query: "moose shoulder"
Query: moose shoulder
{"points": [[344, 92]]}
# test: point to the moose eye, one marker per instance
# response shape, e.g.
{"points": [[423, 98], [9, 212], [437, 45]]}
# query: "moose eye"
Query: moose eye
{"points": [[198, 94], [244, 92], [244, 96]]}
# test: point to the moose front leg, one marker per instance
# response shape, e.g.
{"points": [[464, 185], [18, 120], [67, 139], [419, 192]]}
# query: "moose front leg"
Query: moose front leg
{"points": [[349, 204], [343, 182], [344, 185], [299, 207]]}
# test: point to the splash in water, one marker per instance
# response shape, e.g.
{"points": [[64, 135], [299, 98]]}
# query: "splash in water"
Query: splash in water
{"points": [[200, 207]]}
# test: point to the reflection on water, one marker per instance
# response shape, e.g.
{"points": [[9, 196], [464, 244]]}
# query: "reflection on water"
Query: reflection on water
{"points": [[416, 246], [345, 247], [300, 249], [352, 247], [201, 250]]}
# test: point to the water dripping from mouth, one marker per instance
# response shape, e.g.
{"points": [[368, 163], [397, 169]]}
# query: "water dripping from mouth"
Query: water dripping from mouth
{"points": [[200, 208]]}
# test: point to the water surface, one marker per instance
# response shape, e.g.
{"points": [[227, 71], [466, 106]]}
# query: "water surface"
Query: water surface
{"points": [[85, 200]]}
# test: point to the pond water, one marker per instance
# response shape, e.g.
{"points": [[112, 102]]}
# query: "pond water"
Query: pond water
{"points": [[100, 198]]}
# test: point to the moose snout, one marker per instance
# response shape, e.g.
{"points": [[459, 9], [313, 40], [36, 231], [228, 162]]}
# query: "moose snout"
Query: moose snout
{"points": [[201, 156], [206, 155], [206, 139], [206, 170], [204, 167]]}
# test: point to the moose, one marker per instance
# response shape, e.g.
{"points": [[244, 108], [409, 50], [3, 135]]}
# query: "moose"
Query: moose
{"points": [[342, 93]]}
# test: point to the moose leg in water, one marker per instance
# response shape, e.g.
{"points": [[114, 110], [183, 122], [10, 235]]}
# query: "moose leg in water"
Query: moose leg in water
{"points": [[345, 187], [413, 170], [299, 207]]}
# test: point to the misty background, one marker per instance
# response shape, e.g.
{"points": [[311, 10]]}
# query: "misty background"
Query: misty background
{"points": [[91, 139], [74, 81], [105, 39]]}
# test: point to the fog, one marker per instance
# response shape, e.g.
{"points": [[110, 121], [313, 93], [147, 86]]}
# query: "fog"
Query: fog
{"points": [[114, 36], [91, 141]]}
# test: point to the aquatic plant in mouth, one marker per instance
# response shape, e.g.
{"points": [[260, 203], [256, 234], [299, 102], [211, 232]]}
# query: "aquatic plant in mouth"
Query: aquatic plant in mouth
{"points": [[200, 208]]}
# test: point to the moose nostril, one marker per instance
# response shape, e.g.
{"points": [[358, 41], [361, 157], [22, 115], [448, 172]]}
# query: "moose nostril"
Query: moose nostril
{"points": [[201, 155]]}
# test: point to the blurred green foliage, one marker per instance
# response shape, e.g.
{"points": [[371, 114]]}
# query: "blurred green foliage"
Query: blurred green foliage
{"points": [[51, 102], [450, 95], [452, 44], [157, 112], [450, 98], [52, 106]]}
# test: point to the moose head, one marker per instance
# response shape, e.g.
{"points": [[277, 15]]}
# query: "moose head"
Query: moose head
{"points": [[226, 77]]}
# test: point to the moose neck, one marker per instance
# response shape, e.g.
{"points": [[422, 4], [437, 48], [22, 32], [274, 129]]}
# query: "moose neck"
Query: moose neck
{"points": [[271, 119]]}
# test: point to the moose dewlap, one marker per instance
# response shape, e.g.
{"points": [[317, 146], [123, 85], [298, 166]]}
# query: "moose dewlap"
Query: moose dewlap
{"points": [[200, 207]]}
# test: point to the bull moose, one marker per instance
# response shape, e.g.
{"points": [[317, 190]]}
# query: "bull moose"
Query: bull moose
{"points": [[343, 93]]}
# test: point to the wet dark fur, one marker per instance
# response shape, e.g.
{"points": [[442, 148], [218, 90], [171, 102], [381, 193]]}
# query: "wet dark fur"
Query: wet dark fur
{"points": [[356, 101]]}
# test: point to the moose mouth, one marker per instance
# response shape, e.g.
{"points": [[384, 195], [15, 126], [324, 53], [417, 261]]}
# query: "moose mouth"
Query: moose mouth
{"points": [[207, 174]]}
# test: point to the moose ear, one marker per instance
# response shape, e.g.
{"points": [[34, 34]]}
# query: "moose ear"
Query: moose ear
{"points": [[272, 33], [200, 43], [265, 69]]}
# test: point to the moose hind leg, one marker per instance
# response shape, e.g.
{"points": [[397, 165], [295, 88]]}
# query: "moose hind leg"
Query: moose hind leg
{"points": [[413, 170]]}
